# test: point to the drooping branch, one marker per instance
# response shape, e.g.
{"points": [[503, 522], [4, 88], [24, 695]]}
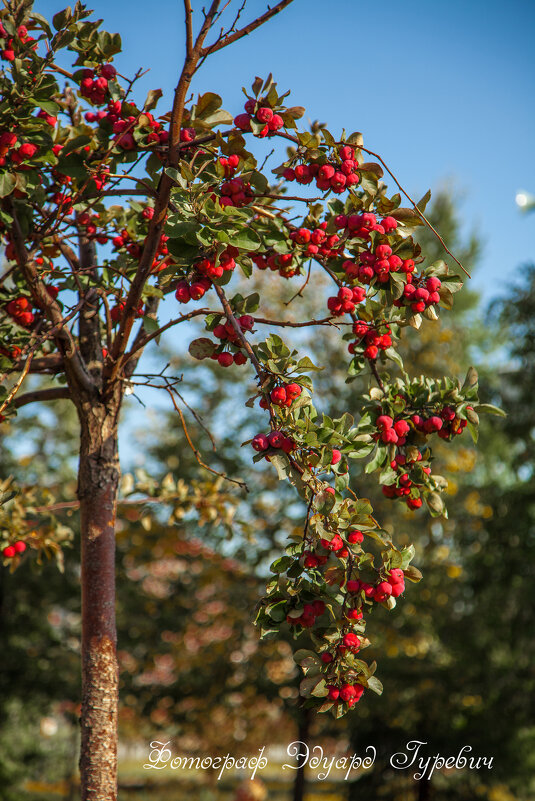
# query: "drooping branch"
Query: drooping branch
{"points": [[196, 452]]}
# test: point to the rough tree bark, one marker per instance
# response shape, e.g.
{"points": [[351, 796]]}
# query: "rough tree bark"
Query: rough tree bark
{"points": [[97, 492]]}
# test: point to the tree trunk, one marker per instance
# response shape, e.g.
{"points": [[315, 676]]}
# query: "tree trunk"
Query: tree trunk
{"points": [[97, 491], [302, 736]]}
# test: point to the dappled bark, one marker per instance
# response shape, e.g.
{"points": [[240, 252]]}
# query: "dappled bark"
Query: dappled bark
{"points": [[97, 492]]}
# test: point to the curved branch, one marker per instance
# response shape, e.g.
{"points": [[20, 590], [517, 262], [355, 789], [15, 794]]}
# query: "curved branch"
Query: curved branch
{"points": [[54, 393]]}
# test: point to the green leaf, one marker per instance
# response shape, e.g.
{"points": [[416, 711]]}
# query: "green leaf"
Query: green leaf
{"points": [[60, 19], [281, 564], [281, 464], [378, 460], [489, 408], [74, 144], [302, 653], [375, 685], [422, 203], [391, 353], [246, 239], [201, 348], [471, 378], [152, 99], [412, 573], [7, 184], [150, 324]]}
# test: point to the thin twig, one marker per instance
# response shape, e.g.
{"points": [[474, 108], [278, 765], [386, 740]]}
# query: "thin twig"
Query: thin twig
{"points": [[241, 484], [233, 37]]}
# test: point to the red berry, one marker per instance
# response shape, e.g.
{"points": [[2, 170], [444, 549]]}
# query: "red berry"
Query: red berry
{"points": [[355, 536], [9, 552], [278, 396], [347, 692], [276, 439], [225, 359], [351, 640], [336, 456]]}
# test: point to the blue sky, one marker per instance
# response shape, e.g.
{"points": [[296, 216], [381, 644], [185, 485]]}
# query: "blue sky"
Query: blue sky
{"points": [[443, 91]]}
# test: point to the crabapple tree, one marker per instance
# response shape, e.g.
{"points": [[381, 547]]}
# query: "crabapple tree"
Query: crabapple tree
{"points": [[111, 210]]}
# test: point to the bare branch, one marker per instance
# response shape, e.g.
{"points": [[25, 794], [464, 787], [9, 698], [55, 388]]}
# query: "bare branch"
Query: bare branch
{"points": [[189, 29], [233, 37], [143, 338], [241, 484]]}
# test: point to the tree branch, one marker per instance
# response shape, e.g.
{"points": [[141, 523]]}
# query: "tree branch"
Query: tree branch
{"points": [[142, 338], [234, 323], [189, 29], [74, 364], [54, 393], [233, 37], [162, 200]]}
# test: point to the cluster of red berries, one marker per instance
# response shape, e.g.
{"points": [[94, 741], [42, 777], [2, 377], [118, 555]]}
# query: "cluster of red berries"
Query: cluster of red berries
{"points": [[12, 550], [370, 339], [21, 310], [19, 156], [235, 192], [9, 49], [89, 222], [206, 271], [283, 263], [393, 586], [123, 124], [275, 439], [95, 87], [230, 165], [48, 118], [226, 333], [260, 113], [349, 693], [117, 311], [361, 225], [194, 290], [305, 242], [135, 249], [378, 265], [421, 294], [317, 242], [445, 424], [335, 176], [225, 358], [310, 612], [336, 545], [283, 395], [12, 353], [345, 301], [404, 486]]}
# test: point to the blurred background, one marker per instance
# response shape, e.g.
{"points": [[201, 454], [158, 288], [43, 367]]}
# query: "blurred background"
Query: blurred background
{"points": [[442, 93]]}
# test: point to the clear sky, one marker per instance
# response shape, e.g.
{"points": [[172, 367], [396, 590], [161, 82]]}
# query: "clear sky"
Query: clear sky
{"points": [[443, 91]]}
